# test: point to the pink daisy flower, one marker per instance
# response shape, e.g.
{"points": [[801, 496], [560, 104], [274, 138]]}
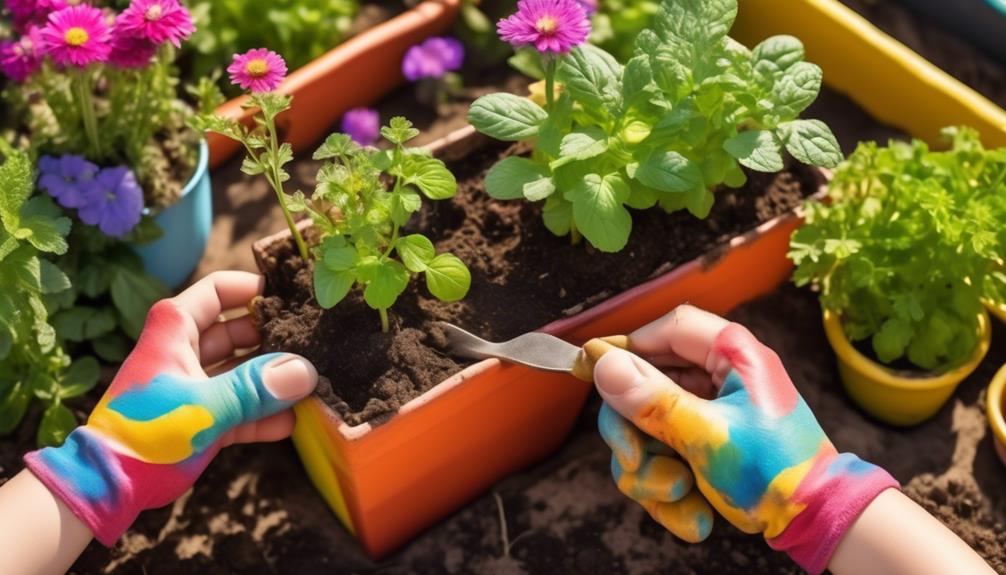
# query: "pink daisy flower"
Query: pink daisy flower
{"points": [[26, 12], [130, 52], [21, 58], [77, 36], [551, 26], [258, 70], [158, 21]]}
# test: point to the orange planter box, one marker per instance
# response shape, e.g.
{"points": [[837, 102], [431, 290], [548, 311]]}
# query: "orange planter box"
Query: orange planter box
{"points": [[390, 482], [354, 73]]}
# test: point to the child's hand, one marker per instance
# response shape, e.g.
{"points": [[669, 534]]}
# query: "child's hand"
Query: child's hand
{"points": [[163, 418], [730, 410]]}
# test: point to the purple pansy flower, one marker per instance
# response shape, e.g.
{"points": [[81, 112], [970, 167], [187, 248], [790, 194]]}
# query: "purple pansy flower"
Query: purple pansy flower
{"points": [[551, 26], [64, 178], [433, 58], [114, 201], [363, 125]]}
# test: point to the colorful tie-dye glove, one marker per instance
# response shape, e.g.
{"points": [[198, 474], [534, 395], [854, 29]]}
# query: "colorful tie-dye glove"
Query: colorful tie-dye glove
{"points": [[162, 419], [757, 453]]}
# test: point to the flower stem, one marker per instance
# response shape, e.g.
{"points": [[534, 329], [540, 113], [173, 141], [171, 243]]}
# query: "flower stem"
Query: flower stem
{"points": [[549, 82], [83, 86], [277, 186], [385, 326]]}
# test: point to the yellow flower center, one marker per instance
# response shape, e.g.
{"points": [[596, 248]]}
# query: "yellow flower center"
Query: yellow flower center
{"points": [[154, 12], [546, 25], [257, 67], [76, 36]]}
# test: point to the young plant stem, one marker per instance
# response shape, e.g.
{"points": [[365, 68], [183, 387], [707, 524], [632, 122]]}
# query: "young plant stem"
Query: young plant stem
{"points": [[549, 82], [83, 86], [574, 234], [385, 326], [277, 186]]}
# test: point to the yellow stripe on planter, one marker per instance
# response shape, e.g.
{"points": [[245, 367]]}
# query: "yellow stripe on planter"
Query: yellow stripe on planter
{"points": [[316, 459], [998, 311], [882, 75]]}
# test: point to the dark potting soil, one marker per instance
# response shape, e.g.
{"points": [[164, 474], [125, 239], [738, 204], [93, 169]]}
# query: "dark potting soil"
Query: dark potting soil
{"points": [[523, 278]]}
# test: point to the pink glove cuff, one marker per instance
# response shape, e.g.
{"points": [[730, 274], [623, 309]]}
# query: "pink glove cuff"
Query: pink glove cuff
{"points": [[835, 493]]}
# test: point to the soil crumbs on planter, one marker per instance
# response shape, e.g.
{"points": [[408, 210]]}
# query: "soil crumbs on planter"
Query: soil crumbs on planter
{"points": [[523, 277]]}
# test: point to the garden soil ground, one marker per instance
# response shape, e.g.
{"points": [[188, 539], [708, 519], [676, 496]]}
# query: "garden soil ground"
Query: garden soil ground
{"points": [[254, 511]]}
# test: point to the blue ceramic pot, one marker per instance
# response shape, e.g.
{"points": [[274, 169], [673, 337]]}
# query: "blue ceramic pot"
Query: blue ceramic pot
{"points": [[981, 22], [186, 225]]}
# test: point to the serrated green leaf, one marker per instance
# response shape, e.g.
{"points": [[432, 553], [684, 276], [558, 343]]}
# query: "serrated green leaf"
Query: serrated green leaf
{"points": [[399, 131], [57, 423], [777, 54], [599, 212], [13, 405], [390, 280], [539, 189], [811, 142], [80, 378], [133, 294], [430, 175], [447, 278], [558, 214], [506, 117], [336, 145], [416, 252], [507, 178], [669, 172], [796, 89], [584, 144], [587, 72], [112, 347], [331, 285], [756, 149]]}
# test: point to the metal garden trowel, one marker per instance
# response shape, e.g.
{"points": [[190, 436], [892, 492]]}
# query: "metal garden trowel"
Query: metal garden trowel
{"points": [[535, 350]]}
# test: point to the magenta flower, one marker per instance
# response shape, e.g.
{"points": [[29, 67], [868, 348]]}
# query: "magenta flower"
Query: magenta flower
{"points": [[433, 58], [130, 52], [21, 58], [157, 21], [363, 125], [27, 12], [258, 70], [551, 26], [77, 36]]}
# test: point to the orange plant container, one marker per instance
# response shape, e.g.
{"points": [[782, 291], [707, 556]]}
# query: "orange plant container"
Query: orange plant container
{"points": [[387, 483], [354, 73]]}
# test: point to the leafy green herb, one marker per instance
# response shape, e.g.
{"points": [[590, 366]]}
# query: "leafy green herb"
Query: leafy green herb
{"points": [[678, 120], [911, 244], [361, 221], [32, 363]]}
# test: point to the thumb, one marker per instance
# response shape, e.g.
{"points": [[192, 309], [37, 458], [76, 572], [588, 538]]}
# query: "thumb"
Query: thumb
{"points": [[268, 384], [640, 392]]}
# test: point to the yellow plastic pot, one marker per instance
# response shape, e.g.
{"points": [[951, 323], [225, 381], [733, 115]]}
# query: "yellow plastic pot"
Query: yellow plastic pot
{"points": [[890, 396], [994, 408], [998, 311]]}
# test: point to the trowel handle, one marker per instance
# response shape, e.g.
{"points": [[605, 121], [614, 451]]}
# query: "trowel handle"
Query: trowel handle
{"points": [[592, 351]]}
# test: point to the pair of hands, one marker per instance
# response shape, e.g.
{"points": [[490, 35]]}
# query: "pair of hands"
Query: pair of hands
{"points": [[753, 448], [715, 397]]}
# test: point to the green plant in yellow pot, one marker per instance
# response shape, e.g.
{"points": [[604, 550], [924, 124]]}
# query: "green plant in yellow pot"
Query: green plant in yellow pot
{"points": [[903, 257]]}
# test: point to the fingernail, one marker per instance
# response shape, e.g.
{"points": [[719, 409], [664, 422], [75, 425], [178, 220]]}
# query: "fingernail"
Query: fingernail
{"points": [[289, 377], [617, 373]]}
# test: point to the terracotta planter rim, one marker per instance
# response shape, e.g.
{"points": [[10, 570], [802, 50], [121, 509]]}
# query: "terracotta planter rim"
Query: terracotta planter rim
{"points": [[883, 375], [558, 327]]}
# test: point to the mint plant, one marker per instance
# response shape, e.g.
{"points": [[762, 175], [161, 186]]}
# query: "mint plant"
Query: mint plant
{"points": [[910, 246], [361, 221], [677, 121], [32, 363], [358, 219]]}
